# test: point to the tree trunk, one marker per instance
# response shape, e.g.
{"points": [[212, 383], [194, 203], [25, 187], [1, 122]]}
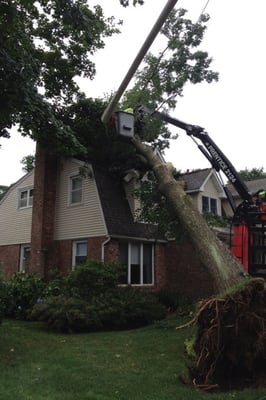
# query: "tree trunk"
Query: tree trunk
{"points": [[215, 256]]}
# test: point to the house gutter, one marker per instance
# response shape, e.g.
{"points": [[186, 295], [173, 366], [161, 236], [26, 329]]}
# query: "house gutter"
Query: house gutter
{"points": [[139, 239], [103, 247]]}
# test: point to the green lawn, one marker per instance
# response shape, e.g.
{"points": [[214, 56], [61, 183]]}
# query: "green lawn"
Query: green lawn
{"points": [[141, 364]]}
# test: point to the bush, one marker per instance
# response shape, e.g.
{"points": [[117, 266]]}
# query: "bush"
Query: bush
{"points": [[119, 308], [57, 285], [93, 278], [127, 307], [23, 291], [66, 314], [173, 300], [3, 298]]}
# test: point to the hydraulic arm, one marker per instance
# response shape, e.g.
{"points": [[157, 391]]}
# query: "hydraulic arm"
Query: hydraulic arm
{"points": [[210, 150]]}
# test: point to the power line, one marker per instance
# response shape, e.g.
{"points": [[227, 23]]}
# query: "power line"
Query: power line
{"points": [[203, 10]]}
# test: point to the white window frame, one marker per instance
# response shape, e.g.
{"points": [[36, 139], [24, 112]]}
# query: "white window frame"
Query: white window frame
{"points": [[22, 258], [29, 197], [71, 190], [75, 244], [129, 256], [209, 200]]}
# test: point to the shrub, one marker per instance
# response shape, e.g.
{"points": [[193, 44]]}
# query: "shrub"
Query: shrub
{"points": [[23, 291], [91, 279], [3, 298], [118, 308], [173, 300], [66, 314], [127, 307], [57, 285]]}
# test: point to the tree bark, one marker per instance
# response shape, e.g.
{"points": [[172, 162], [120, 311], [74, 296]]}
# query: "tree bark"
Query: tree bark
{"points": [[215, 256]]}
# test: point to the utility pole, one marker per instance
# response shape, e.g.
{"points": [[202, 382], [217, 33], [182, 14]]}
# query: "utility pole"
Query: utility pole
{"points": [[141, 54]]}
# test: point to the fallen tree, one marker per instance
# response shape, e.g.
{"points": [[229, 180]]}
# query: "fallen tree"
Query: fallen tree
{"points": [[215, 256], [230, 343]]}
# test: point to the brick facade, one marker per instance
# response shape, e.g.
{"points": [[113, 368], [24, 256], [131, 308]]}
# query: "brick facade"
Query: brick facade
{"points": [[175, 266], [185, 272], [9, 259], [43, 210]]}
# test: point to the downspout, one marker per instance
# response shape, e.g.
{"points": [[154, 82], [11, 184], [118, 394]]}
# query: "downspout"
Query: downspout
{"points": [[103, 247]]}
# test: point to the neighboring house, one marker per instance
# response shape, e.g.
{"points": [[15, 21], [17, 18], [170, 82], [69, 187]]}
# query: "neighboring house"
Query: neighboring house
{"points": [[253, 186], [3, 189], [205, 190], [64, 212]]}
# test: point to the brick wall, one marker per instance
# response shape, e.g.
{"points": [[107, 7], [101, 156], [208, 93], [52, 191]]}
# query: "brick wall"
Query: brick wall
{"points": [[43, 209], [185, 272], [9, 256]]}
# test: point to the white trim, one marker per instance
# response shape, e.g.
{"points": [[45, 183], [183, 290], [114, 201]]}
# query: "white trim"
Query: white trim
{"points": [[74, 250], [70, 190], [23, 247], [27, 189], [140, 247]]}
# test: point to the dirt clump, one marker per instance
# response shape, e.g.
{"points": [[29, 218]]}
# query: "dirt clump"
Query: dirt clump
{"points": [[230, 345]]}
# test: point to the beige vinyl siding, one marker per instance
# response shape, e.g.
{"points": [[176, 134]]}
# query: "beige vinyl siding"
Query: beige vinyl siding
{"points": [[210, 190], [80, 220], [15, 223]]}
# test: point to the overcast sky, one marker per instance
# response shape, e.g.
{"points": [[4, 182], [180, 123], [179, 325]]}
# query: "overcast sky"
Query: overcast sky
{"points": [[232, 110]]}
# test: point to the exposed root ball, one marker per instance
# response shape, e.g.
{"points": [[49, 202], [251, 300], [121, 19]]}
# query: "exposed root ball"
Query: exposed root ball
{"points": [[231, 339]]}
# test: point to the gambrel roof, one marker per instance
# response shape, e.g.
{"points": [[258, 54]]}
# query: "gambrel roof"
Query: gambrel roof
{"points": [[116, 210]]}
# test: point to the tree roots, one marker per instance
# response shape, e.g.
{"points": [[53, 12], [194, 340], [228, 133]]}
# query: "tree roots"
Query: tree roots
{"points": [[230, 345]]}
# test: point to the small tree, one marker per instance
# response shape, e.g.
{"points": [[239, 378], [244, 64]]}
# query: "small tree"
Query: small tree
{"points": [[253, 173]]}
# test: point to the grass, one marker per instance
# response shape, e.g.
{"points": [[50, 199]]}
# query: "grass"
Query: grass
{"points": [[141, 364]]}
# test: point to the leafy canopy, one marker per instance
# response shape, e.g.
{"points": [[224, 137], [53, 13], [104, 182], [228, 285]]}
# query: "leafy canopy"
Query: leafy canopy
{"points": [[163, 77], [253, 173], [44, 45]]}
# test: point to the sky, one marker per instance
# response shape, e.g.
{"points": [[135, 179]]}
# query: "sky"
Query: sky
{"points": [[231, 111]]}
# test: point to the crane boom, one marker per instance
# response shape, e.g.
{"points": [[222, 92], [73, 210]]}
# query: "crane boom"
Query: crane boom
{"points": [[210, 150]]}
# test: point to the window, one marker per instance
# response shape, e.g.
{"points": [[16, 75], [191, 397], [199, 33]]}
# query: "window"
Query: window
{"points": [[79, 252], [213, 206], [137, 258], [75, 189], [25, 198], [24, 257], [209, 204]]}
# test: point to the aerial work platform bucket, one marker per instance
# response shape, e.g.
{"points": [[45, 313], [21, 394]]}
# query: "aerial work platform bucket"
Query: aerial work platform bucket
{"points": [[124, 123]]}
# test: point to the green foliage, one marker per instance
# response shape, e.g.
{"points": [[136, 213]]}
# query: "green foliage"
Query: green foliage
{"points": [[3, 298], [190, 347], [28, 163], [215, 220], [93, 278], [156, 210], [66, 314], [103, 146], [23, 291], [117, 308], [57, 285], [254, 173], [173, 300], [44, 46], [125, 3], [164, 76]]}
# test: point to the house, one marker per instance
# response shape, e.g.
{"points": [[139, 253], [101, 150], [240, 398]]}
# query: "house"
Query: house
{"points": [[3, 189], [253, 186], [64, 212], [205, 189]]}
